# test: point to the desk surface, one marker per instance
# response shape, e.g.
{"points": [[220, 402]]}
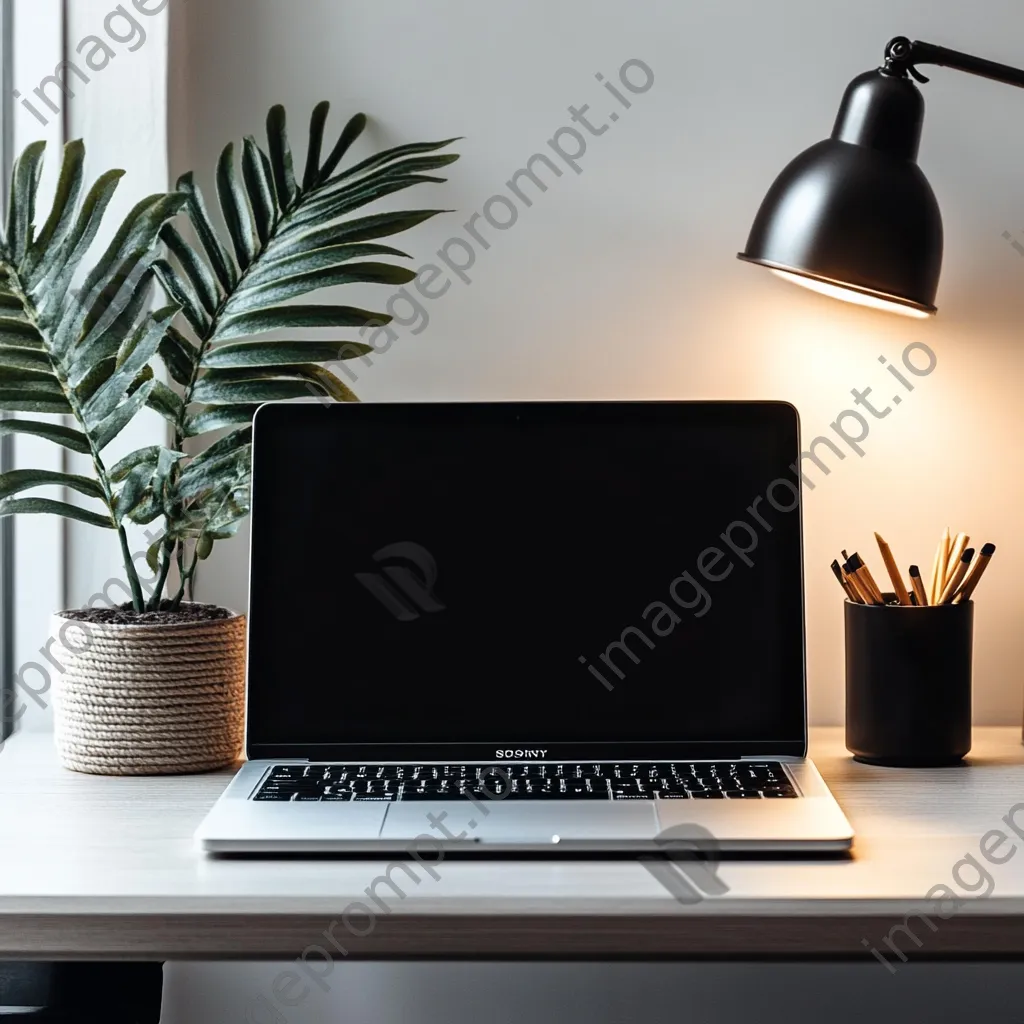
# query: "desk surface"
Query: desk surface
{"points": [[93, 868]]}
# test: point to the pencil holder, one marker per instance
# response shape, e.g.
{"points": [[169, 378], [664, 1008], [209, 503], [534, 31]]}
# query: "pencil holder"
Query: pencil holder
{"points": [[908, 683]]}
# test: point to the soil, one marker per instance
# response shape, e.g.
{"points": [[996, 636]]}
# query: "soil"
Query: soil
{"points": [[125, 615]]}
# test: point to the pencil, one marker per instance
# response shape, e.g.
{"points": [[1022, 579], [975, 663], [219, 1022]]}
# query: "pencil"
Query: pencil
{"points": [[975, 574], [956, 552], [864, 573], [861, 575], [860, 588], [958, 576], [918, 585], [893, 570], [937, 579]]}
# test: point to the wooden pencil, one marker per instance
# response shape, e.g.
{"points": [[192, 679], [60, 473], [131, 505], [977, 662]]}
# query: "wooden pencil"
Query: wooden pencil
{"points": [[861, 574], [860, 588], [918, 584], [902, 594], [956, 552], [958, 576], [844, 582], [939, 568], [974, 574]]}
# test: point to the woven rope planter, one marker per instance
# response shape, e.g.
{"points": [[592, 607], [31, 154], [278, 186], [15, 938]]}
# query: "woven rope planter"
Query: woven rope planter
{"points": [[149, 699]]}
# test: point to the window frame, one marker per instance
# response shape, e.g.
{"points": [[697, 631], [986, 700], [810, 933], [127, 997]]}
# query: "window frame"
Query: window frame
{"points": [[7, 525]]}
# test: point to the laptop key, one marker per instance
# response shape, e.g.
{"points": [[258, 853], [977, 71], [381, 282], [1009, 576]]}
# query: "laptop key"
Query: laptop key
{"points": [[546, 781]]}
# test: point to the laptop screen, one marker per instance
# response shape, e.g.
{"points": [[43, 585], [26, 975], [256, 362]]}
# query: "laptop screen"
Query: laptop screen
{"points": [[585, 579]]}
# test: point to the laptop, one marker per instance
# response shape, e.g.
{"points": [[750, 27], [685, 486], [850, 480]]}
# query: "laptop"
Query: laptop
{"points": [[551, 626]]}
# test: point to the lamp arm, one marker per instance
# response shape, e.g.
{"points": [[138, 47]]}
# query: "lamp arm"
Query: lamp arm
{"points": [[902, 57]]}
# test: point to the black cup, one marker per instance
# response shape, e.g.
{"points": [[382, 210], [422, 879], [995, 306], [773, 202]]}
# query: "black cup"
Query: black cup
{"points": [[908, 683]]}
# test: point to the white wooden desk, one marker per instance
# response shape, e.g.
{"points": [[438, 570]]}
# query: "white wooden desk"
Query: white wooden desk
{"points": [[94, 868]]}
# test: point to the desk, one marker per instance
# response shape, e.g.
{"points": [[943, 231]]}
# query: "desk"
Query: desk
{"points": [[94, 868]]}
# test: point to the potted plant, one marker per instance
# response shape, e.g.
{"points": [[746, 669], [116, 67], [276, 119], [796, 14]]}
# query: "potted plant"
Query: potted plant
{"points": [[157, 685]]}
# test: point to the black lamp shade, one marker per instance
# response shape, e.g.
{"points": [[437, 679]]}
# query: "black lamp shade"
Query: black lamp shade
{"points": [[854, 215]]}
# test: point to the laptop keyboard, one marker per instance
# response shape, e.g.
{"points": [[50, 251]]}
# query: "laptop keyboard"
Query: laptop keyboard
{"points": [[698, 780]]}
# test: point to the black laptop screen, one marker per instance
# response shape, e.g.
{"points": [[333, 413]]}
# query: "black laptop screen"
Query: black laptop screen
{"points": [[562, 577]]}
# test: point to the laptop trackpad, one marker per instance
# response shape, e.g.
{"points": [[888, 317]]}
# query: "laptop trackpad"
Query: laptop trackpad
{"points": [[523, 822]]}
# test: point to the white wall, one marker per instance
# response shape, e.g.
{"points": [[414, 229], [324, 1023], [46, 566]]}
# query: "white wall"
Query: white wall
{"points": [[622, 282]]}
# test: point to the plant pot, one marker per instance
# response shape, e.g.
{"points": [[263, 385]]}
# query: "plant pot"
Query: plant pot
{"points": [[157, 698]]}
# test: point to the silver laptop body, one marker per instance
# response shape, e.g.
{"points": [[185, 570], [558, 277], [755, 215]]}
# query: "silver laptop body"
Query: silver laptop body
{"points": [[550, 627]]}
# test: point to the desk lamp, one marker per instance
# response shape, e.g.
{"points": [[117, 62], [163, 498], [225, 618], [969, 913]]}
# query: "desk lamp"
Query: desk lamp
{"points": [[854, 216]]}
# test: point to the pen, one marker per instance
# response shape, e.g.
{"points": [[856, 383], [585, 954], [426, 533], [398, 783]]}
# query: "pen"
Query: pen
{"points": [[893, 570]]}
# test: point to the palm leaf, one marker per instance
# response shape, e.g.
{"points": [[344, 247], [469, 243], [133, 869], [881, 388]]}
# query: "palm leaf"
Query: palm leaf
{"points": [[164, 401], [260, 188], [144, 456], [242, 355], [218, 418], [283, 240], [62, 215], [317, 127], [179, 356], [235, 208], [55, 271], [201, 277], [20, 480], [316, 259], [73, 440], [217, 254], [25, 182], [245, 325], [43, 506], [281, 157], [278, 290], [85, 353], [351, 132]]}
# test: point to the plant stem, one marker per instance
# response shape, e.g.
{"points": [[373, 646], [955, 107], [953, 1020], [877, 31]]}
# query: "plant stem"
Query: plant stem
{"points": [[138, 599], [186, 578], [166, 552]]}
